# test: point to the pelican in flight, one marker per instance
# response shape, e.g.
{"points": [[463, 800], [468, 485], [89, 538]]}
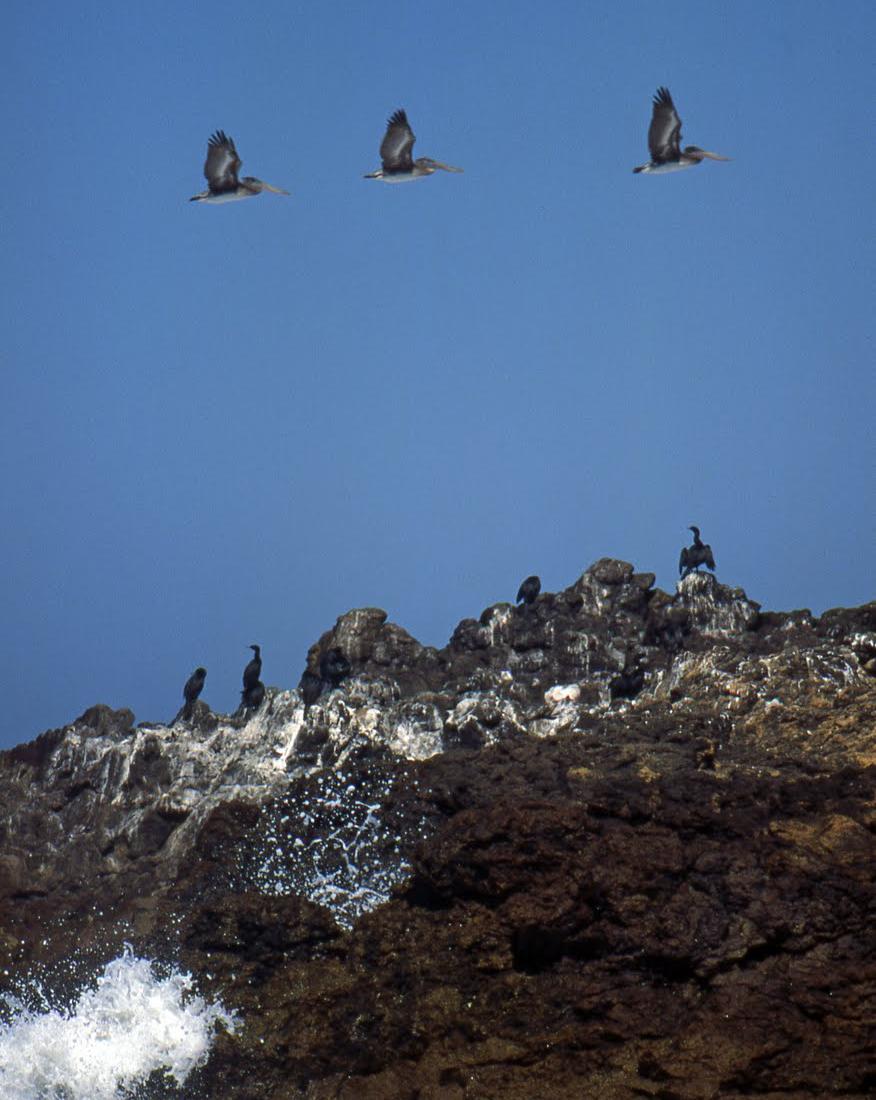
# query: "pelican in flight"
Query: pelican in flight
{"points": [[395, 152], [221, 168], [664, 140]]}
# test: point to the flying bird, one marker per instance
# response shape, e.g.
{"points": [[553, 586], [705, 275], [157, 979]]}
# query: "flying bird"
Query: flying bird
{"points": [[395, 153], [221, 168], [692, 557], [664, 140]]}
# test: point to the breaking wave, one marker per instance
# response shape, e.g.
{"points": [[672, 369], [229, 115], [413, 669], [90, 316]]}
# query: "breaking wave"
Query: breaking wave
{"points": [[131, 1025]]}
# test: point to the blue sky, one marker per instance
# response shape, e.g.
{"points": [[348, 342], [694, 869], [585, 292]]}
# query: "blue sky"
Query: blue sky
{"points": [[230, 424]]}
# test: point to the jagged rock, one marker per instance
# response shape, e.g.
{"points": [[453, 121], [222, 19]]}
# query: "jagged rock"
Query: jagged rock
{"points": [[376, 648], [103, 721], [617, 843], [713, 608], [200, 717]]}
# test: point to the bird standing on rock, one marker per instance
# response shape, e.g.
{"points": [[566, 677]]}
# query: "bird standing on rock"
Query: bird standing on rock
{"points": [[193, 688], [692, 557], [529, 590], [254, 696], [253, 670], [252, 686]]}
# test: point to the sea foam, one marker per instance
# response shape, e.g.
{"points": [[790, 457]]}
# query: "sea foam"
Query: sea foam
{"points": [[130, 1025]]}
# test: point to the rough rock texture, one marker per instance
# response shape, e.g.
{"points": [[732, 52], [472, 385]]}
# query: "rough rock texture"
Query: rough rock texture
{"points": [[623, 841]]}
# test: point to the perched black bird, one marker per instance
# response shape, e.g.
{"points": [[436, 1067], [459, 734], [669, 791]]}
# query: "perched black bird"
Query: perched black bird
{"points": [[692, 557], [529, 590], [334, 666], [194, 687], [253, 670], [310, 687], [253, 696]]}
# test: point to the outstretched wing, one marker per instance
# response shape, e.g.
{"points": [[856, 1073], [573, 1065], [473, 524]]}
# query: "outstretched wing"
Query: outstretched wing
{"points": [[398, 141], [222, 163], [664, 134], [682, 561], [708, 559]]}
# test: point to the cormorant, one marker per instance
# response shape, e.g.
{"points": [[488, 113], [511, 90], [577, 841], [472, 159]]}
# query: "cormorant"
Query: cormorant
{"points": [[253, 696], [334, 666], [194, 687], [529, 590], [692, 557], [253, 670], [310, 687]]}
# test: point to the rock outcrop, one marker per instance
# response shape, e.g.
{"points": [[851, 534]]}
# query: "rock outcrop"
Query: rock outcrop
{"points": [[616, 843]]}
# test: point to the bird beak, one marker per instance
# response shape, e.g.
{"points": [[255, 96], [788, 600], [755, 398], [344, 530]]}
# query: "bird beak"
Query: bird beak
{"points": [[446, 167], [276, 190], [714, 156]]}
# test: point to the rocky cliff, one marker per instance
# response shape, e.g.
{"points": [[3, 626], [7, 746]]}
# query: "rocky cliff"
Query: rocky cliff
{"points": [[616, 844]]}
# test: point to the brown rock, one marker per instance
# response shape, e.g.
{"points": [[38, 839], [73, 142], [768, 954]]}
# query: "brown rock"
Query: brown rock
{"points": [[667, 894]]}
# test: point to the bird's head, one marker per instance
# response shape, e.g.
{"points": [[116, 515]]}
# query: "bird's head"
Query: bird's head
{"points": [[698, 154], [695, 530], [433, 165], [260, 185], [257, 650]]}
